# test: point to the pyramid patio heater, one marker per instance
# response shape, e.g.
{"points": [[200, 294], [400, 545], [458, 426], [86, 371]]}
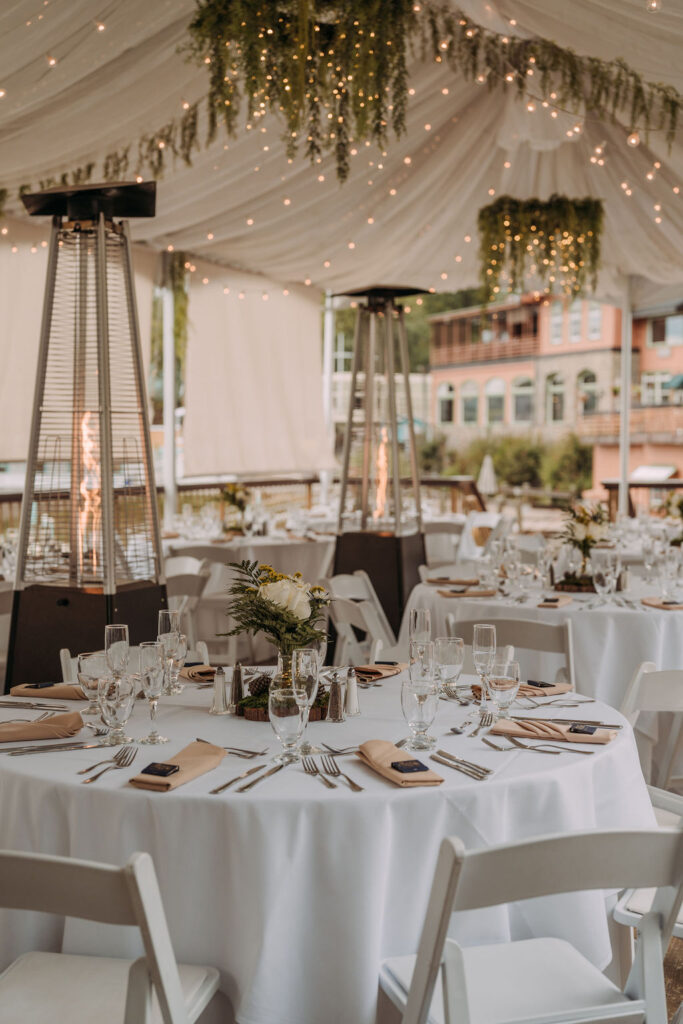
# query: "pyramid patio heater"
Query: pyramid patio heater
{"points": [[89, 544], [380, 522]]}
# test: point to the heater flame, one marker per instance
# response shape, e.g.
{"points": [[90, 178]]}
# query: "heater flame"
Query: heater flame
{"points": [[382, 465], [90, 488]]}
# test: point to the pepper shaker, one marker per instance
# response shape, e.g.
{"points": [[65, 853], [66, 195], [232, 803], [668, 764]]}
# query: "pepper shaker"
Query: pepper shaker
{"points": [[335, 705], [219, 706], [351, 704], [236, 688]]}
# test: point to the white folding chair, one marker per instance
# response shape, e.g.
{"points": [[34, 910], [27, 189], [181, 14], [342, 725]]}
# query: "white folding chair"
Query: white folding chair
{"points": [[442, 540], [184, 589], [650, 690], [539, 980], [348, 616], [199, 653], [40, 987], [529, 638], [357, 586]]}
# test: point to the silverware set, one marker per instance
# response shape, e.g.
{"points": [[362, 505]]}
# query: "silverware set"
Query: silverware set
{"points": [[122, 759], [117, 757], [459, 764], [31, 705], [329, 767]]}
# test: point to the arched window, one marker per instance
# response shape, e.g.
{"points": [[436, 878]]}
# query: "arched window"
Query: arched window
{"points": [[554, 407], [495, 400], [587, 391], [469, 402], [445, 400], [523, 400]]}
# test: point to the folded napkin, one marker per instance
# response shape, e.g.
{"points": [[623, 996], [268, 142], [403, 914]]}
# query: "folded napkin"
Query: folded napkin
{"points": [[194, 760], [55, 728], [561, 602], [169, 535], [467, 593], [441, 580], [220, 540], [658, 602], [533, 691], [480, 534], [58, 691], [550, 731], [370, 673], [198, 673], [380, 754]]}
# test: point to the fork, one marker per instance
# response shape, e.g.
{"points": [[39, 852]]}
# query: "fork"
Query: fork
{"points": [[485, 720], [548, 748], [123, 759], [115, 759], [506, 750], [330, 767], [311, 768], [40, 718], [344, 750], [238, 751]]}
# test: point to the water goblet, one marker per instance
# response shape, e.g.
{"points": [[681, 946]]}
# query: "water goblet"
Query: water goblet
{"points": [[117, 647], [449, 652], [91, 668], [152, 676], [503, 684], [286, 711], [483, 653], [419, 702], [117, 697], [305, 677], [420, 624]]}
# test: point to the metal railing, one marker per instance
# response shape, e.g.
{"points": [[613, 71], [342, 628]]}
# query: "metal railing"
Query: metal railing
{"points": [[484, 351]]}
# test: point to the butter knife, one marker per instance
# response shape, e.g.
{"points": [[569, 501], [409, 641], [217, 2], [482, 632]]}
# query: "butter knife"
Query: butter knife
{"points": [[271, 771], [249, 771], [459, 768]]}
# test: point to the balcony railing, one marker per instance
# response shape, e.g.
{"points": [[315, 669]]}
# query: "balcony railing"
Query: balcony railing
{"points": [[488, 351], [658, 423]]}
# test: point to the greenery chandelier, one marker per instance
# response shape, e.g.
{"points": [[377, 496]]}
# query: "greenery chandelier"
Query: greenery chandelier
{"points": [[556, 241]]}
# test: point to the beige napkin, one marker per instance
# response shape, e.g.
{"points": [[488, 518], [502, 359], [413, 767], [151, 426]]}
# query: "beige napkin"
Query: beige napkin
{"points": [[221, 540], [562, 601], [58, 691], [370, 673], [658, 602], [467, 593], [480, 534], [551, 731], [194, 760], [380, 754], [444, 580], [169, 535], [55, 728], [198, 673], [533, 691]]}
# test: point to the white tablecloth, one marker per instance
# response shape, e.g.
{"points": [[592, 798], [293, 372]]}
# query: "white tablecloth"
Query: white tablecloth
{"points": [[297, 892]]}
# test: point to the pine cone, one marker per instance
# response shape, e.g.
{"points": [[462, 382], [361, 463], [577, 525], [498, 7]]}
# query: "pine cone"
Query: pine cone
{"points": [[259, 684]]}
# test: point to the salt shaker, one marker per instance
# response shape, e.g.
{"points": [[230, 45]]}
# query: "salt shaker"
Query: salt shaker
{"points": [[335, 704], [219, 706], [351, 705]]}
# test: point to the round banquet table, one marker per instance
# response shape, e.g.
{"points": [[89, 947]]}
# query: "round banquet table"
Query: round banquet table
{"points": [[297, 892]]}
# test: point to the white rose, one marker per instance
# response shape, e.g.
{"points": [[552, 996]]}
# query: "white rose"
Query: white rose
{"points": [[287, 594], [579, 531], [600, 531]]}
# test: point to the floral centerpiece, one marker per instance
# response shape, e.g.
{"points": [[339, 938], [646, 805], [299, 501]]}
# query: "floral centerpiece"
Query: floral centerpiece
{"points": [[585, 526], [235, 498], [672, 507]]}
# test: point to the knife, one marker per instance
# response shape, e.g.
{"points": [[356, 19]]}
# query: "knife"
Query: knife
{"points": [[249, 771], [18, 751], [459, 768], [33, 705], [567, 721], [271, 771]]}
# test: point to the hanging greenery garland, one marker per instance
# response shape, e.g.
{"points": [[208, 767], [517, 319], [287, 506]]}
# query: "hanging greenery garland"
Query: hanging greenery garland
{"points": [[556, 241]]}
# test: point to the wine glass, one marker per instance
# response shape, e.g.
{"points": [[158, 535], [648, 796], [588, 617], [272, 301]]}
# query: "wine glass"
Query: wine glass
{"points": [[503, 683], [483, 653], [152, 676], [117, 647], [419, 702], [91, 668], [305, 678], [170, 643], [169, 621], [117, 697], [449, 653], [286, 711], [177, 662], [420, 624]]}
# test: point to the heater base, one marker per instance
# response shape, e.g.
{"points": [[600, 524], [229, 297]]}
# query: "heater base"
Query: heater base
{"points": [[46, 618], [391, 562]]}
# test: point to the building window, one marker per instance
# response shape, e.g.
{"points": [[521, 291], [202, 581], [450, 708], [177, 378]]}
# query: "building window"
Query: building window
{"points": [[575, 313], [556, 323], [587, 388], [523, 400], [594, 321], [342, 354], [652, 390], [666, 330], [445, 397], [475, 330], [469, 399], [554, 399], [495, 400]]}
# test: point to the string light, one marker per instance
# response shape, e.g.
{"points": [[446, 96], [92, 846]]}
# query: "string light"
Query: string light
{"points": [[100, 26], [2, 94], [51, 61], [653, 6], [633, 140]]}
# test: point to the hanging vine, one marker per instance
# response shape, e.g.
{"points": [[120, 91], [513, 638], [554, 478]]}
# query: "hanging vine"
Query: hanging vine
{"points": [[557, 241]]}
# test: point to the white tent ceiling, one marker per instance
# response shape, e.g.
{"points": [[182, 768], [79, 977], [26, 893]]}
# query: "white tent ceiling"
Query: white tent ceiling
{"points": [[110, 86]]}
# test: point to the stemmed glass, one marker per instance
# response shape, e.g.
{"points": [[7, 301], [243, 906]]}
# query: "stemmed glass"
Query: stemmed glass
{"points": [[91, 668], [305, 681], [503, 683], [152, 676], [177, 662], [170, 643], [117, 647], [483, 653], [605, 567], [117, 697], [449, 652], [420, 699], [169, 621], [420, 624], [286, 711]]}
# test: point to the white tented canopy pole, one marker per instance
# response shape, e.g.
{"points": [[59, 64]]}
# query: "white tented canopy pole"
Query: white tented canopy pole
{"points": [[169, 464], [625, 392], [328, 355]]}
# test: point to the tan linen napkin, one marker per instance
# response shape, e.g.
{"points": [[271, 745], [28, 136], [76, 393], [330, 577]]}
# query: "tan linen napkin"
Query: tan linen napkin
{"points": [[562, 601], [444, 580], [198, 673], [533, 691], [658, 602], [374, 672], [194, 760], [467, 593], [55, 728], [58, 691], [480, 534], [221, 540], [550, 731], [380, 754]]}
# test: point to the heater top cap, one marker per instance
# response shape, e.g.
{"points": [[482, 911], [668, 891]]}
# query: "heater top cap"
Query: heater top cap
{"points": [[86, 202], [384, 291]]}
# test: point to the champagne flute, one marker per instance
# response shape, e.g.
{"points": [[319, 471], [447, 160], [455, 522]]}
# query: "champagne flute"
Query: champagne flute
{"points": [[449, 652], [421, 658], [152, 675], [177, 662], [169, 621], [170, 642], [483, 653], [305, 677], [420, 624], [117, 647]]}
